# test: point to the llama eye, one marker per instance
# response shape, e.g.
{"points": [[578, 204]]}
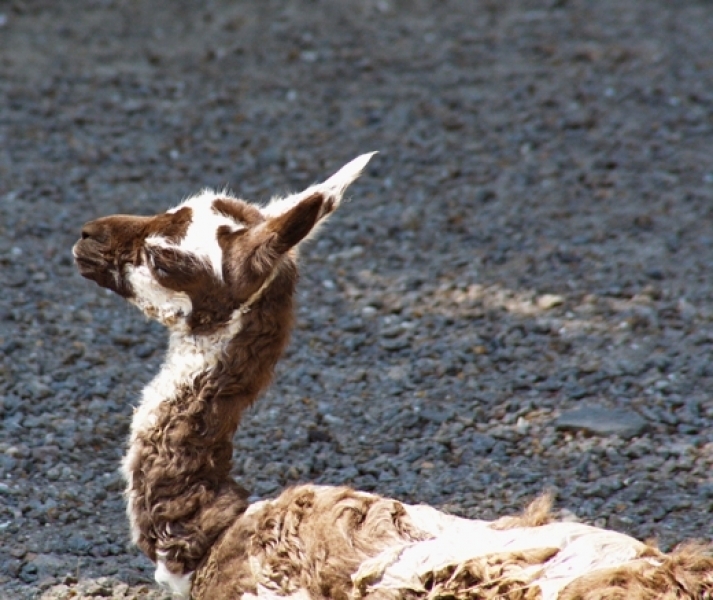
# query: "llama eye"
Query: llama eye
{"points": [[157, 269]]}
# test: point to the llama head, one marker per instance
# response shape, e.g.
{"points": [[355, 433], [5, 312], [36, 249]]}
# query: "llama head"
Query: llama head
{"points": [[193, 266]]}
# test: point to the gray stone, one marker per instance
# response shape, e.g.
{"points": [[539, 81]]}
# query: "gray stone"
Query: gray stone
{"points": [[706, 489], [38, 389], [7, 463], [603, 421], [49, 565], [78, 544], [481, 443], [394, 345], [436, 414]]}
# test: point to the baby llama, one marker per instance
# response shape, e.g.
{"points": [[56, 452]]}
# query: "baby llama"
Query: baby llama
{"points": [[220, 274]]}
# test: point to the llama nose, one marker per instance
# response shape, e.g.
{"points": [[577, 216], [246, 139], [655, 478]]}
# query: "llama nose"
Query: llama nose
{"points": [[93, 231]]}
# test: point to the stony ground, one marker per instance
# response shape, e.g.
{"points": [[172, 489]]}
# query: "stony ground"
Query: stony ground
{"points": [[535, 238]]}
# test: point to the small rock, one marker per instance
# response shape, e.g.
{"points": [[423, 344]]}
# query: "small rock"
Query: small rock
{"points": [[350, 473], [7, 463], [547, 301], [484, 195], [394, 345], [318, 435], [78, 544], [686, 310], [100, 588], [619, 523], [144, 351], [397, 373], [28, 573], [706, 489], [481, 443], [48, 565], [38, 389], [10, 567], [655, 273], [388, 447], [599, 420], [436, 415]]}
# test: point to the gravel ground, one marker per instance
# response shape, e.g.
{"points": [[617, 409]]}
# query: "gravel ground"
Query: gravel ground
{"points": [[518, 297]]}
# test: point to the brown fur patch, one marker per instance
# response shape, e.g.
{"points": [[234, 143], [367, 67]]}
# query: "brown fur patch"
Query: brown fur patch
{"points": [[308, 538], [291, 227], [109, 243], [538, 512], [502, 575], [212, 301], [184, 494], [685, 574], [239, 211], [250, 255]]}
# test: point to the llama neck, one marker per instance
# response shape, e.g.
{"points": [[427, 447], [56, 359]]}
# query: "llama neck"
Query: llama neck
{"points": [[181, 495], [188, 359]]}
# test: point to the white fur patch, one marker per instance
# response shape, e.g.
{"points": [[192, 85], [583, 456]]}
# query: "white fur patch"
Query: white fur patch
{"points": [[583, 549], [333, 188], [178, 585], [201, 239], [166, 306]]}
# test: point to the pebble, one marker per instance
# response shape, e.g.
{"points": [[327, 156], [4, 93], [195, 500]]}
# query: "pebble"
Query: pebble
{"points": [[600, 420], [481, 443], [547, 301], [49, 565], [78, 544]]}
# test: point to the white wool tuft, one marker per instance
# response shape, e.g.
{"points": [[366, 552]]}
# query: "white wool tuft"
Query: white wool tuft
{"points": [[178, 585], [333, 188], [166, 306], [201, 239]]}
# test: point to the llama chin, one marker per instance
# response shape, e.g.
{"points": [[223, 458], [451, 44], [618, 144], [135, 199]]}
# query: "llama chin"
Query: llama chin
{"points": [[220, 273]]}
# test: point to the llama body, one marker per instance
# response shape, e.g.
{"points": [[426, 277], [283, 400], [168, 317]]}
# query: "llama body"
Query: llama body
{"points": [[220, 274]]}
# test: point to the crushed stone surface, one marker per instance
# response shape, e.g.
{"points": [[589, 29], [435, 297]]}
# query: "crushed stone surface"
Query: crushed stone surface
{"points": [[535, 236]]}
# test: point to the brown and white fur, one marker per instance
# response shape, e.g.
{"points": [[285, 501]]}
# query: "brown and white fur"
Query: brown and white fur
{"points": [[220, 274]]}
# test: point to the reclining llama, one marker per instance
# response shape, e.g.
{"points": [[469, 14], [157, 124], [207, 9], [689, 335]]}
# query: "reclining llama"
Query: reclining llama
{"points": [[220, 274]]}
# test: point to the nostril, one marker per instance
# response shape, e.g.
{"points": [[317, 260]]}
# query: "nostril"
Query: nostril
{"points": [[97, 232], [90, 231]]}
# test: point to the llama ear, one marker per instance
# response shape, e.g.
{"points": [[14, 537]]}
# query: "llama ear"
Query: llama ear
{"points": [[331, 190], [288, 229], [290, 220], [337, 184], [271, 239], [251, 254]]}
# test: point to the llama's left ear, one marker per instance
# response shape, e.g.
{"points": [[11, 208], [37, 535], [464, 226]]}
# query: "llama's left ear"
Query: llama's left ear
{"points": [[334, 188], [288, 229], [331, 190], [275, 236], [290, 220]]}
